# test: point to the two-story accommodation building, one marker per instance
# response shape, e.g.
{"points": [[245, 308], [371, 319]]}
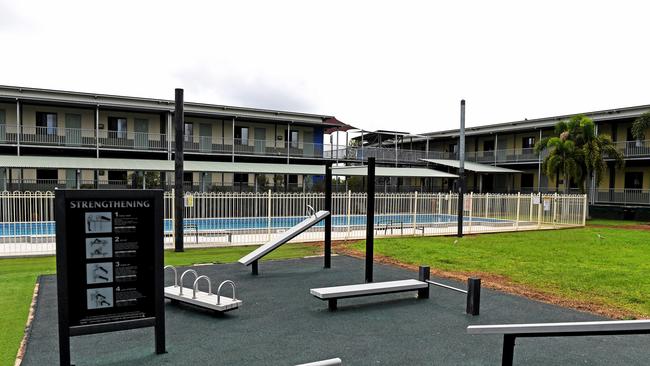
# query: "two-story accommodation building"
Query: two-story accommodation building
{"points": [[42, 131]]}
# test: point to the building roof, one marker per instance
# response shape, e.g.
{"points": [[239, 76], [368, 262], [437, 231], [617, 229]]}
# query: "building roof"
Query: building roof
{"points": [[12, 93], [391, 172], [472, 167], [546, 122]]}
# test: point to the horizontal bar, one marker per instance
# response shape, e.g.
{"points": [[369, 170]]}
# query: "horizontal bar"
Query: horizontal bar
{"points": [[445, 286], [569, 327]]}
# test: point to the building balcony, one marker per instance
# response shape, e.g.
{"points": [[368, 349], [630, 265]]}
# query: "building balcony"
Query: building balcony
{"points": [[634, 149]]}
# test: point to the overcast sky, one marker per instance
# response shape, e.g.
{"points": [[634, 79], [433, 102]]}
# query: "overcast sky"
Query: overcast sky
{"points": [[376, 65]]}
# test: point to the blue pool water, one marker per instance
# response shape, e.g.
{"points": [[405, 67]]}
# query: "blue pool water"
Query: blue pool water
{"points": [[47, 228]]}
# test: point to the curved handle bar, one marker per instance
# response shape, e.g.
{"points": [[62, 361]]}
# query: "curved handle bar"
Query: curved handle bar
{"points": [[183, 275], [310, 211], [196, 285], [232, 284], [175, 273]]}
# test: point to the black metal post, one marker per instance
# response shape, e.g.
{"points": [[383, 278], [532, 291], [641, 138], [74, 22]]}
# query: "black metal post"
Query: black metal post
{"points": [[370, 221], [328, 219], [254, 269], [508, 350], [179, 122], [473, 296], [461, 168], [424, 274]]}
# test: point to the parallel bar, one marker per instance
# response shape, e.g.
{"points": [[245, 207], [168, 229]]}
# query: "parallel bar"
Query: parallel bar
{"points": [[566, 327], [508, 350]]}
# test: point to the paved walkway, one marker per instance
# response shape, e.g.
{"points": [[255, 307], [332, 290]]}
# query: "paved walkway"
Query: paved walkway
{"points": [[281, 324]]}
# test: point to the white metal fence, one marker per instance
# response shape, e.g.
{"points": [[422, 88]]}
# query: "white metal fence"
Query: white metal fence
{"points": [[223, 219]]}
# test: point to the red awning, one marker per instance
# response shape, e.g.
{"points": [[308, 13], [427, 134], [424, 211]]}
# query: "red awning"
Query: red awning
{"points": [[333, 125]]}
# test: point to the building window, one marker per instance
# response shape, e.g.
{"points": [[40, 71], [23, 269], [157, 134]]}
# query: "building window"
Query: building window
{"points": [[116, 176], [188, 178], [291, 138], [488, 145], [117, 127], [634, 180], [188, 132], [527, 142], [45, 123], [241, 135], [240, 179], [527, 181], [47, 174]]}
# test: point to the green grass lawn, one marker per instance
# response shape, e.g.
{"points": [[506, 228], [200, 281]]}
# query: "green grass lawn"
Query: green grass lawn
{"points": [[573, 263], [18, 277]]}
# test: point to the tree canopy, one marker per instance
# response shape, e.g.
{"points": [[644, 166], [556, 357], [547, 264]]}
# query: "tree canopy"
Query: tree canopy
{"points": [[577, 152]]}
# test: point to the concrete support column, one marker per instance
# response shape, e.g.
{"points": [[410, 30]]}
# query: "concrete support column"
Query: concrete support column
{"points": [[97, 132], [19, 118], [233, 140]]}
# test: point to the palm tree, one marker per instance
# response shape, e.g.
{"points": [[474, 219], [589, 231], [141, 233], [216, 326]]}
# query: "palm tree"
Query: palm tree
{"points": [[563, 160], [587, 149]]}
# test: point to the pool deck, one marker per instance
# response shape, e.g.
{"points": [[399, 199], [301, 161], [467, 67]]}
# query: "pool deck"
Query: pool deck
{"points": [[280, 323]]}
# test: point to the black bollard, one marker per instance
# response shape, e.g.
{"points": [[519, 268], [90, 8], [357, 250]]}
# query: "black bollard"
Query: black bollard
{"points": [[424, 274], [473, 296]]}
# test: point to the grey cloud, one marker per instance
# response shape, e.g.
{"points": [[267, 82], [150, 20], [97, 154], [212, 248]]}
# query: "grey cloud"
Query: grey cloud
{"points": [[247, 91]]}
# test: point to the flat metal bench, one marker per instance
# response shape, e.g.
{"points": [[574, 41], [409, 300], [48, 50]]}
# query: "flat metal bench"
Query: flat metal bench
{"points": [[571, 329], [332, 294]]}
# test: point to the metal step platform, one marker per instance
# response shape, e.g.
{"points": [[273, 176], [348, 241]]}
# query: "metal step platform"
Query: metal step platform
{"points": [[193, 296]]}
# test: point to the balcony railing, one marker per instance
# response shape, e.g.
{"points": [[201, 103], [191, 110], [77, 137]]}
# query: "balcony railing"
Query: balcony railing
{"points": [[631, 149]]}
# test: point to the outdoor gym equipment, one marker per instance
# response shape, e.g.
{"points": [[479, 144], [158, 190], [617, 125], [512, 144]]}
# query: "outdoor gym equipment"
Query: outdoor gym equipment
{"points": [[330, 362], [313, 218], [512, 331], [421, 285], [193, 296]]}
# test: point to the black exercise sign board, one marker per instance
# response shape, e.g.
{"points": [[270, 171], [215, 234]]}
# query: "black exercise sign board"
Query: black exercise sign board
{"points": [[109, 253]]}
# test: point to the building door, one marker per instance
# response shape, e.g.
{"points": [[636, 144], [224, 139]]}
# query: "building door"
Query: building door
{"points": [[527, 182], [308, 144], [205, 136], [70, 177], [72, 129], [141, 129], [3, 126], [260, 140]]}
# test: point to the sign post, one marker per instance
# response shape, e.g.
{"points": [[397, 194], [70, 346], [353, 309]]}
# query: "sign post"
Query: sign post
{"points": [[109, 263]]}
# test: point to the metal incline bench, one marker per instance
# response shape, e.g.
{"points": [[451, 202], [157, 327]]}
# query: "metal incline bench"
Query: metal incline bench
{"points": [[512, 331], [312, 219]]}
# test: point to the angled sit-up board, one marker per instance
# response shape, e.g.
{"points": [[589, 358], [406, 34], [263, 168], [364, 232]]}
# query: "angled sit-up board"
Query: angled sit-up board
{"points": [[257, 254]]}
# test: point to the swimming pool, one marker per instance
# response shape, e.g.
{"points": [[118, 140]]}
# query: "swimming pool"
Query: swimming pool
{"points": [[252, 223]]}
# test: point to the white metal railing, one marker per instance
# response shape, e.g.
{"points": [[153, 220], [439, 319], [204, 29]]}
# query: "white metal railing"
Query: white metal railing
{"points": [[624, 196], [223, 219], [634, 148]]}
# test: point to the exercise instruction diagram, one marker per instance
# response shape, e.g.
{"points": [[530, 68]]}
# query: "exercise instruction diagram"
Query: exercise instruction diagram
{"points": [[99, 222]]}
